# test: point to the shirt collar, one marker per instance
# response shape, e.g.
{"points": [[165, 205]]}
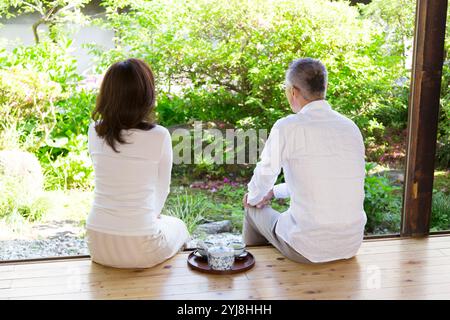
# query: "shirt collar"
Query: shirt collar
{"points": [[318, 104]]}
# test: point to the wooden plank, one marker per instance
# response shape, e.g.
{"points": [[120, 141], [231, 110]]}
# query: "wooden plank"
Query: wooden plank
{"points": [[282, 272], [270, 288], [441, 291], [164, 284], [415, 268], [389, 287], [264, 255], [178, 266], [428, 57], [261, 271]]}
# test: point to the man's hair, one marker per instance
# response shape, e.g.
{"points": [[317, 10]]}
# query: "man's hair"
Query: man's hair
{"points": [[310, 76]]}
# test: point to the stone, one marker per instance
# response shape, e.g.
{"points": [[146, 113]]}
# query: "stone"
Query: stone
{"points": [[394, 175], [214, 227]]}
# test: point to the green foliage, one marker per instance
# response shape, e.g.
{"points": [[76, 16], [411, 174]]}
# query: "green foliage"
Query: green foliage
{"points": [[227, 204], [440, 212], [64, 156], [42, 111], [71, 168], [225, 60], [187, 207], [214, 60], [17, 204], [59, 15], [397, 19], [27, 102], [382, 203], [55, 59]]}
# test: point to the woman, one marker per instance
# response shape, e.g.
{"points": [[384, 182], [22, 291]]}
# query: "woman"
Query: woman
{"points": [[132, 160]]}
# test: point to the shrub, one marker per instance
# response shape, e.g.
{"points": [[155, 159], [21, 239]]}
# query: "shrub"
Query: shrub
{"points": [[15, 202], [382, 203], [226, 60], [71, 168], [187, 207], [65, 155], [41, 111], [440, 215], [27, 101]]}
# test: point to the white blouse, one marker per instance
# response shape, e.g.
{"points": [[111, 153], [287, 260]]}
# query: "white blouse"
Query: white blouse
{"points": [[322, 156], [131, 186]]}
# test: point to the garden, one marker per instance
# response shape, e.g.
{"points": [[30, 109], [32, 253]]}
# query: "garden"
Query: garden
{"points": [[221, 63]]}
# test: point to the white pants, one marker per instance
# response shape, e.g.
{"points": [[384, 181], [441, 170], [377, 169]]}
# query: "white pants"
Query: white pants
{"points": [[138, 251]]}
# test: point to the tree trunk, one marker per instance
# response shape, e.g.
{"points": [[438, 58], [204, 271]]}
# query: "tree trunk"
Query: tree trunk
{"points": [[35, 30]]}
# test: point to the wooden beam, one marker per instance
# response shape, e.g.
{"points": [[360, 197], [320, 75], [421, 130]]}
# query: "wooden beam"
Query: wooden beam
{"points": [[428, 55]]}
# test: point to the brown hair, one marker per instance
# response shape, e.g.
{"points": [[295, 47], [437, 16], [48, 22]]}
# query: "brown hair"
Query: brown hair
{"points": [[125, 101]]}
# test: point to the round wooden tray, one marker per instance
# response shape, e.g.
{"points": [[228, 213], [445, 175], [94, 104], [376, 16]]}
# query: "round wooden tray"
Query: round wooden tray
{"points": [[240, 265]]}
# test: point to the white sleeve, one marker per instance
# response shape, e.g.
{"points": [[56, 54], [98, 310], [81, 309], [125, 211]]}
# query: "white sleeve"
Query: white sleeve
{"points": [[164, 173], [268, 168], [281, 191]]}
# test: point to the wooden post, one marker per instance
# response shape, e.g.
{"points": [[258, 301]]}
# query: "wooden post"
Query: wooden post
{"points": [[423, 114]]}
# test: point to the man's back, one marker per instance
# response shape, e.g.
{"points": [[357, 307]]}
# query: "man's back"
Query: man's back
{"points": [[323, 163]]}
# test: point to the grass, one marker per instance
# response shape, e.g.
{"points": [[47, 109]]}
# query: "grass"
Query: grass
{"points": [[51, 206], [440, 216], [195, 206], [221, 203], [442, 181], [187, 207], [69, 205]]}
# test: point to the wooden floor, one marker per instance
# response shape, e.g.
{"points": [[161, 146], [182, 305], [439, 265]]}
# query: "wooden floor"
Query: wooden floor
{"points": [[383, 269]]}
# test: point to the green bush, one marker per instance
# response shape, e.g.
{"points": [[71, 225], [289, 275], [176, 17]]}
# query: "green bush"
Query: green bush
{"points": [[187, 207], [396, 18], [225, 60], [382, 203], [42, 111], [64, 156], [440, 212], [218, 61], [71, 168], [27, 102], [14, 202]]}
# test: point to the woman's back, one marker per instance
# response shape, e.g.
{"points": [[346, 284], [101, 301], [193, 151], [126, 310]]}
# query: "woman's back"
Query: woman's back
{"points": [[130, 185], [132, 160]]}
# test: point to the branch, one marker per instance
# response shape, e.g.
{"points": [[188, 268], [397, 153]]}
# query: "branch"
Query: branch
{"points": [[35, 29], [35, 8]]}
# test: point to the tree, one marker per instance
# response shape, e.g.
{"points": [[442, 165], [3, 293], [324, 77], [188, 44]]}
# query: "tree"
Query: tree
{"points": [[53, 13]]}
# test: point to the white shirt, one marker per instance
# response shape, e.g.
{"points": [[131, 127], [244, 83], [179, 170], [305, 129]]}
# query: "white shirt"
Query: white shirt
{"points": [[322, 156], [130, 186]]}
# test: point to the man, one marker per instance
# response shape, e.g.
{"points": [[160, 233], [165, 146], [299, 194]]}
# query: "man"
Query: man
{"points": [[322, 156]]}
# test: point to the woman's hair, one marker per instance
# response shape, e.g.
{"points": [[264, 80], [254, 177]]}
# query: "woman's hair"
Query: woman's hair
{"points": [[126, 100]]}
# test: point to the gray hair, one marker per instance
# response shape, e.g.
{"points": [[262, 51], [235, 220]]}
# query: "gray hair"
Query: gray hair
{"points": [[309, 75]]}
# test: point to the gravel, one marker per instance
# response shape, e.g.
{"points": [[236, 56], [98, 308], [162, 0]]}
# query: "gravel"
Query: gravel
{"points": [[44, 240], [66, 238], [32, 249]]}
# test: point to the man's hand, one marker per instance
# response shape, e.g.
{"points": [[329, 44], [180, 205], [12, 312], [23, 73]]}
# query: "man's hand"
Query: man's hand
{"points": [[264, 202], [244, 201]]}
